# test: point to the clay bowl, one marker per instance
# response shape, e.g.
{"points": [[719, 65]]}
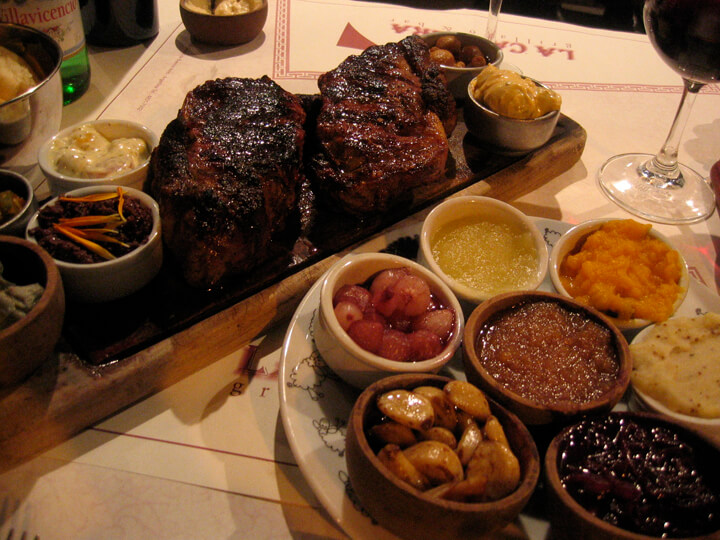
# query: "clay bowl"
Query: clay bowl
{"points": [[533, 412], [570, 242], [570, 520], [20, 186], [459, 77], [410, 513], [344, 356], [223, 29], [503, 135], [26, 343], [112, 279]]}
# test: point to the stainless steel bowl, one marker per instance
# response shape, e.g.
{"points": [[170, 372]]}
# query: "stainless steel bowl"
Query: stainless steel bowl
{"points": [[504, 135], [34, 116]]}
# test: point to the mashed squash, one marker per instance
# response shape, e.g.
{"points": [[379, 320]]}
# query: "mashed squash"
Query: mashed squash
{"points": [[623, 271]]}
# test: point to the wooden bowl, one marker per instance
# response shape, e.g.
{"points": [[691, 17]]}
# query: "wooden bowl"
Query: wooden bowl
{"points": [[25, 344], [408, 512], [223, 29], [532, 412], [570, 520]]}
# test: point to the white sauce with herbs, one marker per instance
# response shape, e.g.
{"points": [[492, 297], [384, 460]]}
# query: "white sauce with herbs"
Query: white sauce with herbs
{"points": [[86, 153]]}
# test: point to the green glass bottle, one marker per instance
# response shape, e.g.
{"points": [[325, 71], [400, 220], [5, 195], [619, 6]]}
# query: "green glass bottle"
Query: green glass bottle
{"points": [[62, 20]]}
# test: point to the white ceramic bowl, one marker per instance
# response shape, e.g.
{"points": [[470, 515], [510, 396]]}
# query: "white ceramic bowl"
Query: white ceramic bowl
{"points": [[110, 280], [462, 207], [459, 77], [352, 363], [640, 401], [111, 129], [566, 244], [21, 186]]}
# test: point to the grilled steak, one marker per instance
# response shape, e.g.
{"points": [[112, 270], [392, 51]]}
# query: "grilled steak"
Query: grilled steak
{"points": [[225, 175], [383, 126]]}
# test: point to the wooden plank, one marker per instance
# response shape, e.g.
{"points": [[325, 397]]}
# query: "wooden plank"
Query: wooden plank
{"points": [[69, 394]]}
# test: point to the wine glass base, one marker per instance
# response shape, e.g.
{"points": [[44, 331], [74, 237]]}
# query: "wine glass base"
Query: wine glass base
{"points": [[619, 178]]}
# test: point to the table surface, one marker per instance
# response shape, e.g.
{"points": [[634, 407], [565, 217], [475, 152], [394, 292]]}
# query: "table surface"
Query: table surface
{"points": [[208, 457]]}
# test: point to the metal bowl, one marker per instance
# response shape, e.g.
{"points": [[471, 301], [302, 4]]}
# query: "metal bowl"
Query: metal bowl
{"points": [[503, 135], [34, 116]]}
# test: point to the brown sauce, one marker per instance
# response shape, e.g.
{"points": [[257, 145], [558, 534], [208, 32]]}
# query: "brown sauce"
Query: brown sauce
{"points": [[549, 354]]}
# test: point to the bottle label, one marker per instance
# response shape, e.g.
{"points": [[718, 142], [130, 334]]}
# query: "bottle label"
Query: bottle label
{"points": [[60, 19]]}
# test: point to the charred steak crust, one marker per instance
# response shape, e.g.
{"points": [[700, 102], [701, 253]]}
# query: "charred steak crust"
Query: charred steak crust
{"points": [[226, 174], [382, 129]]}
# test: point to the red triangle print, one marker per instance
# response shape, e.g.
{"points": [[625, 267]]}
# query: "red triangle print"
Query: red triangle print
{"points": [[353, 39]]}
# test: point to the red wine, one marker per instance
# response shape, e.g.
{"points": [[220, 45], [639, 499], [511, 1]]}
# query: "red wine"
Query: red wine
{"points": [[686, 34], [119, 23]]}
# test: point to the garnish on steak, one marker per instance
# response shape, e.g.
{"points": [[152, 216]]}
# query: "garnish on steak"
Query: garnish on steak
{"points": [[383, 126], [225, 175]]}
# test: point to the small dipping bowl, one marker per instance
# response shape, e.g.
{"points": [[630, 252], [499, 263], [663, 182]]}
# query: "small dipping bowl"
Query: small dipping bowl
{"points": [[223, 29], [20, 186], [459, 77], [411, 513], [569, 519], [504, 135], [112, 279], [27, 343], [483, 208], [572, 240], [351, 362], [532, 411], [60, 183]]}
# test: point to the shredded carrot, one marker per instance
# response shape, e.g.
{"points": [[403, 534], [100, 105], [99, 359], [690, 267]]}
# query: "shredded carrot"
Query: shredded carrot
{"points": [[95, 197], [92, 246]]}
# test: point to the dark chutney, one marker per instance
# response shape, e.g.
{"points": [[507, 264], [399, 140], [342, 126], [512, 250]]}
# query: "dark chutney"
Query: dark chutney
{"points": [[134, 232], [640, 476]]}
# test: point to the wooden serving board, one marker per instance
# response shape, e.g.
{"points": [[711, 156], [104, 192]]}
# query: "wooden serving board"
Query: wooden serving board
{"points": [[112, 355]]}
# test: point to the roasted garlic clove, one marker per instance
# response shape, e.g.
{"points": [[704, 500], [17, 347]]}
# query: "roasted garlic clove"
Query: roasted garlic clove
{"points": [[440, 434], [391, 432], [436, 461], [393, 458], [445, 413], [468, 398], [469, 441], [494, 431], [407, 408], [497, 466]]}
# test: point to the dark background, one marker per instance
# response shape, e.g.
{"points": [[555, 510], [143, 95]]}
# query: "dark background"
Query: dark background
{"points": [[625, 15]]}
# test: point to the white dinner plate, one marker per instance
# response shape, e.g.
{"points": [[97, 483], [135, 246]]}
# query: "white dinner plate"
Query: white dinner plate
{"points": [[315, 404]]}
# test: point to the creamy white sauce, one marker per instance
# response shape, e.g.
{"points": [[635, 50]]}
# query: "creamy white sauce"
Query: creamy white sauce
{"points": [[224, 7], [85, 153]]}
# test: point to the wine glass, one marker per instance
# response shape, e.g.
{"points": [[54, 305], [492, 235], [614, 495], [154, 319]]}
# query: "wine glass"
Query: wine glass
{"points": [[686, 35], [493, 12]]}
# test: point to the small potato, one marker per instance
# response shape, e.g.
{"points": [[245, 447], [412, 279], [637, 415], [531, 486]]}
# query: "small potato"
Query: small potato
{"points": [[478, 61], [469, 398], [449, 43], [393, 458], [468, 52], [394, 433], [441, 56], [407, 408], [436, 461]]}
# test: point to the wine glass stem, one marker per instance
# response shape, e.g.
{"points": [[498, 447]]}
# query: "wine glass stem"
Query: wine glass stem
{"points": [[663, 168], [493, 12]]}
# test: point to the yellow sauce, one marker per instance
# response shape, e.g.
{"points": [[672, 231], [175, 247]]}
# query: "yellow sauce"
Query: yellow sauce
{"points": [[510, 94], [86, 153], [485, 255]]}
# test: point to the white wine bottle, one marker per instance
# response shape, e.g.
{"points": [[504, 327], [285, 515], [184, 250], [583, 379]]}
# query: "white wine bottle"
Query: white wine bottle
{"points": [[61, 20]]}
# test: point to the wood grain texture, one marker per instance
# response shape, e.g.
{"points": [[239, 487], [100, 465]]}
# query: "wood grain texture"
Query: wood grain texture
{"points": [[68, 393]]}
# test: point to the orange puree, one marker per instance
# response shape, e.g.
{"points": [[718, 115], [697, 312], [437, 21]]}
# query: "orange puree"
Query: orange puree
{"points": [[623, 271]]}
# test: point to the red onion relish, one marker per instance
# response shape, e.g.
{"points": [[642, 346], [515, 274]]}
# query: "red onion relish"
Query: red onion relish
{"points": [[640, 476]]}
